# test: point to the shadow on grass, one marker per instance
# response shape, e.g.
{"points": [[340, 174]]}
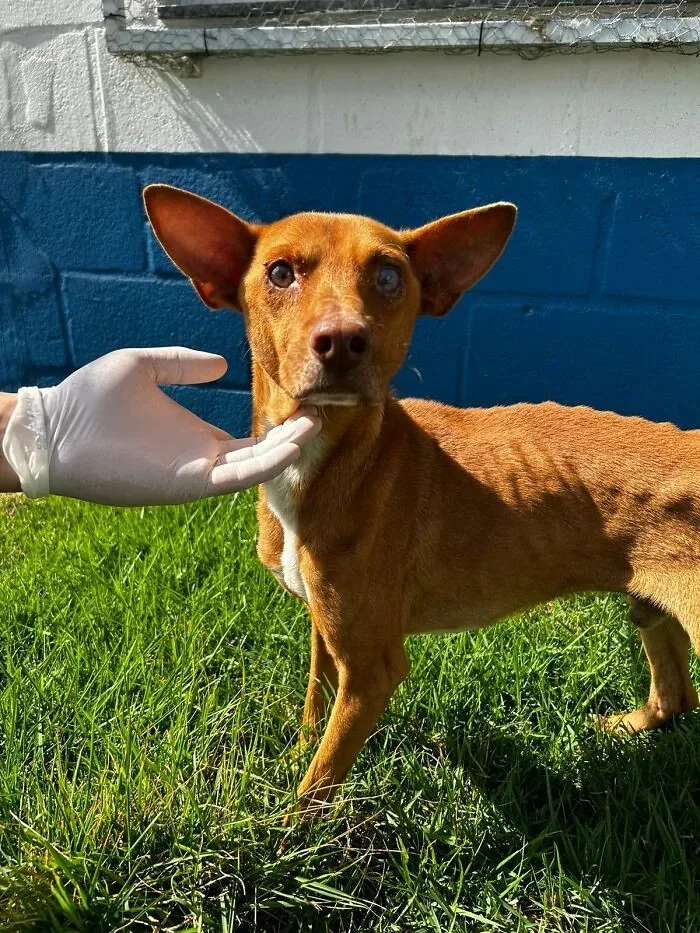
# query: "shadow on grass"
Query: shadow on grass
{"points": [[620, 816]]}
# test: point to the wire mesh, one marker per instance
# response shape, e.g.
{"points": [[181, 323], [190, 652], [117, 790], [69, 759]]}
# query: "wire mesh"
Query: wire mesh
{"points": [[529, 28]]}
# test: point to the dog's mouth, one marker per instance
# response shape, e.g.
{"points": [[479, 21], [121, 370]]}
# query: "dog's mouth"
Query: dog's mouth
{"points": [[324, 399], [311, 384], [338, 392]]}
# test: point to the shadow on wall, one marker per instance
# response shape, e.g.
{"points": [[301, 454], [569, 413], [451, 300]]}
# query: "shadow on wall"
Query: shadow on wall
{"points": [[210, 130], [594, 301], [32, 335]]}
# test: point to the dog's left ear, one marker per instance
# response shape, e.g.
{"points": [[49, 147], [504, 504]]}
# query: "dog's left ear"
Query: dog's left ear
{"points": [[451, 254]]}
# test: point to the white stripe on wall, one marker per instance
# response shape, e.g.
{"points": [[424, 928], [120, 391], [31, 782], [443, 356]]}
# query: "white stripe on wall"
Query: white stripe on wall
{"points": [[61, 90]]}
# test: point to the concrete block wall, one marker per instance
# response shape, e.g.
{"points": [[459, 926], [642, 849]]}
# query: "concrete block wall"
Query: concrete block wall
{"points": [[594, 301]]}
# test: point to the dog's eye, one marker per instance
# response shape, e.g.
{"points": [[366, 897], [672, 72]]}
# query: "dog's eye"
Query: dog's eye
{"points": [[281, 274], [389, 279]]}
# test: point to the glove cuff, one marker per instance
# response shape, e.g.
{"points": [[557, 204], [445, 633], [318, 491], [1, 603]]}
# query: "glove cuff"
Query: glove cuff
{"points": [[25, 444]]}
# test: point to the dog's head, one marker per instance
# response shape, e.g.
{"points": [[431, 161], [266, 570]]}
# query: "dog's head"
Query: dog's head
{"points": [[330, 299]]}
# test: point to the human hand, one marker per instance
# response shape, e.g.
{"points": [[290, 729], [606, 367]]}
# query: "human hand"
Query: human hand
{"points": [[108, 434]]}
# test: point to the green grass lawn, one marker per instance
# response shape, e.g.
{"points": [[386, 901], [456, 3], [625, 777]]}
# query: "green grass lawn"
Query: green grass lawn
{"points": [[151, 683]]}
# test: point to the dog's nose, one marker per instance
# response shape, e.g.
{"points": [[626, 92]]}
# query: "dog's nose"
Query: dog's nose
{"points": [[340, 343]]}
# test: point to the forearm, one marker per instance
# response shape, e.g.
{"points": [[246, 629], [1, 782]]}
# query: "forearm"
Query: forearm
{"points": [[9, 481]]}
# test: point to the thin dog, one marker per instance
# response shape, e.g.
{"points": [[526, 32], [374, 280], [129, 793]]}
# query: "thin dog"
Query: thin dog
{"points": [[410, 517]]}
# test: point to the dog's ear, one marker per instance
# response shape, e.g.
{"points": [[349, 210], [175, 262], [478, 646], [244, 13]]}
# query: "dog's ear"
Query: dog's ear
{"points": [[209, 244], [451, 254]]}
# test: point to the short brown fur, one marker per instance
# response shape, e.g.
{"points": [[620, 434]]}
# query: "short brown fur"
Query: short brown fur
{"points": [[417, 517]]}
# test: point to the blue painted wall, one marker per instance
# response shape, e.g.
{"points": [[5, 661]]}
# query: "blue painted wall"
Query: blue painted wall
{"points": [[595, 300]]}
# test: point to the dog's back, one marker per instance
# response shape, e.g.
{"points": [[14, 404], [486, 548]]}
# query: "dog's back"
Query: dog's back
{"points": [[549, 500]]}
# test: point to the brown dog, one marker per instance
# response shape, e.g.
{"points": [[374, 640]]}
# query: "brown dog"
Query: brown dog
{"points": [[406, 517]]}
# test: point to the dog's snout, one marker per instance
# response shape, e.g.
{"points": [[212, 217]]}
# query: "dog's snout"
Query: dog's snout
{"points": [[341, 343]]}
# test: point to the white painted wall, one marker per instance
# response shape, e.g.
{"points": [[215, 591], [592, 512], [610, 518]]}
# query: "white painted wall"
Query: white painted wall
{"points": [[61, 90]]}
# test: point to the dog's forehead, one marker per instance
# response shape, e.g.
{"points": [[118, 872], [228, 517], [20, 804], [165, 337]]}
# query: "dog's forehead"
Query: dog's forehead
{"points": [[333, 233]]}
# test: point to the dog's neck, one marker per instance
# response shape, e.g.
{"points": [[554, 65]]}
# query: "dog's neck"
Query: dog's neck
{"points": [[348, 434]]}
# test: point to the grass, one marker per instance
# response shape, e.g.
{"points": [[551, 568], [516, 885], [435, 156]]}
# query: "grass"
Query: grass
{"points": [[151, 682]]}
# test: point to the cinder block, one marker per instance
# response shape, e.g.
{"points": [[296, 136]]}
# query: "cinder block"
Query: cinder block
{"points": [[321, 183], [46, 90], [42, 334], [14, 170], [4, 247], [433, 364], [23, 263], [86, 216], [655, 236], [405, 193], [226, 408], [553, 247], [641, 363], [64, 222], [108, 312], [33, 284], [256, 192], [11, 363]]}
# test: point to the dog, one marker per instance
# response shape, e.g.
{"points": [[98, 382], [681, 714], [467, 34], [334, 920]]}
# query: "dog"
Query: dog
{"points": [[406, 517]]}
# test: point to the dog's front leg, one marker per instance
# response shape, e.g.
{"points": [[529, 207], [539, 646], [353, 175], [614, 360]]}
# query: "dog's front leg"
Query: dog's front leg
{"points": [[366, 680]]}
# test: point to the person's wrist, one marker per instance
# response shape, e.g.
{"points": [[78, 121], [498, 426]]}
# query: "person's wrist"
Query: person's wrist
{"points": [[9, 480], [25, 443]]}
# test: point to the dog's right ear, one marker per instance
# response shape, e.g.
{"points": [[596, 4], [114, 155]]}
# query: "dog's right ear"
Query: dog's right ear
{"points": [[209, 244]]}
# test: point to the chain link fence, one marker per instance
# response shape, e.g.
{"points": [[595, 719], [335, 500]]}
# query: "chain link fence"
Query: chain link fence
{"points": [[181, 30]]}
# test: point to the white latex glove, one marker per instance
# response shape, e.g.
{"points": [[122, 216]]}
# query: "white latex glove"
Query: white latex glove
{"points": [[109, 435]]}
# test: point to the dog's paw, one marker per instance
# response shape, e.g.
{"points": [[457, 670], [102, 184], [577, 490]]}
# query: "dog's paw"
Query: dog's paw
{"points": [[618, 725]]}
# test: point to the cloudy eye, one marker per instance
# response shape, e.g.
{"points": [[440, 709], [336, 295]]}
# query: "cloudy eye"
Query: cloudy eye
{"points": [[389, 279], [281, 274]]}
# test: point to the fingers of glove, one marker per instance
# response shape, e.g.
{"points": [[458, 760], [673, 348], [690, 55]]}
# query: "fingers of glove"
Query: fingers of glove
{"points": [[297, 429], [242, 473], [305, 423], [182, 366], [270, 443]]}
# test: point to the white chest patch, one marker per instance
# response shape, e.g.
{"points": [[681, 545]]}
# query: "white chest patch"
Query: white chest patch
{"points": [[281, 495]]}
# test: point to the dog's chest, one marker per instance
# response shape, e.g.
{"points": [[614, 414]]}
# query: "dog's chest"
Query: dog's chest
{"points": [[282, 495], [281, 500]]}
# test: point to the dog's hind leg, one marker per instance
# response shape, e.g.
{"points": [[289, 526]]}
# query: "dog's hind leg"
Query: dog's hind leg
{"points": [[671, 692], [323, 682]]}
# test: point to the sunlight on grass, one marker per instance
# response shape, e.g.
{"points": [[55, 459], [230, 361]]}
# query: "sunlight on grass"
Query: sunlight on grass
{"points": [[151, 685]]}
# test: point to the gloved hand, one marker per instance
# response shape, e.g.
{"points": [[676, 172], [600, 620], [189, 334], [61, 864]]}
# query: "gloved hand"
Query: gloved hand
{"points": [[109, 435]]}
